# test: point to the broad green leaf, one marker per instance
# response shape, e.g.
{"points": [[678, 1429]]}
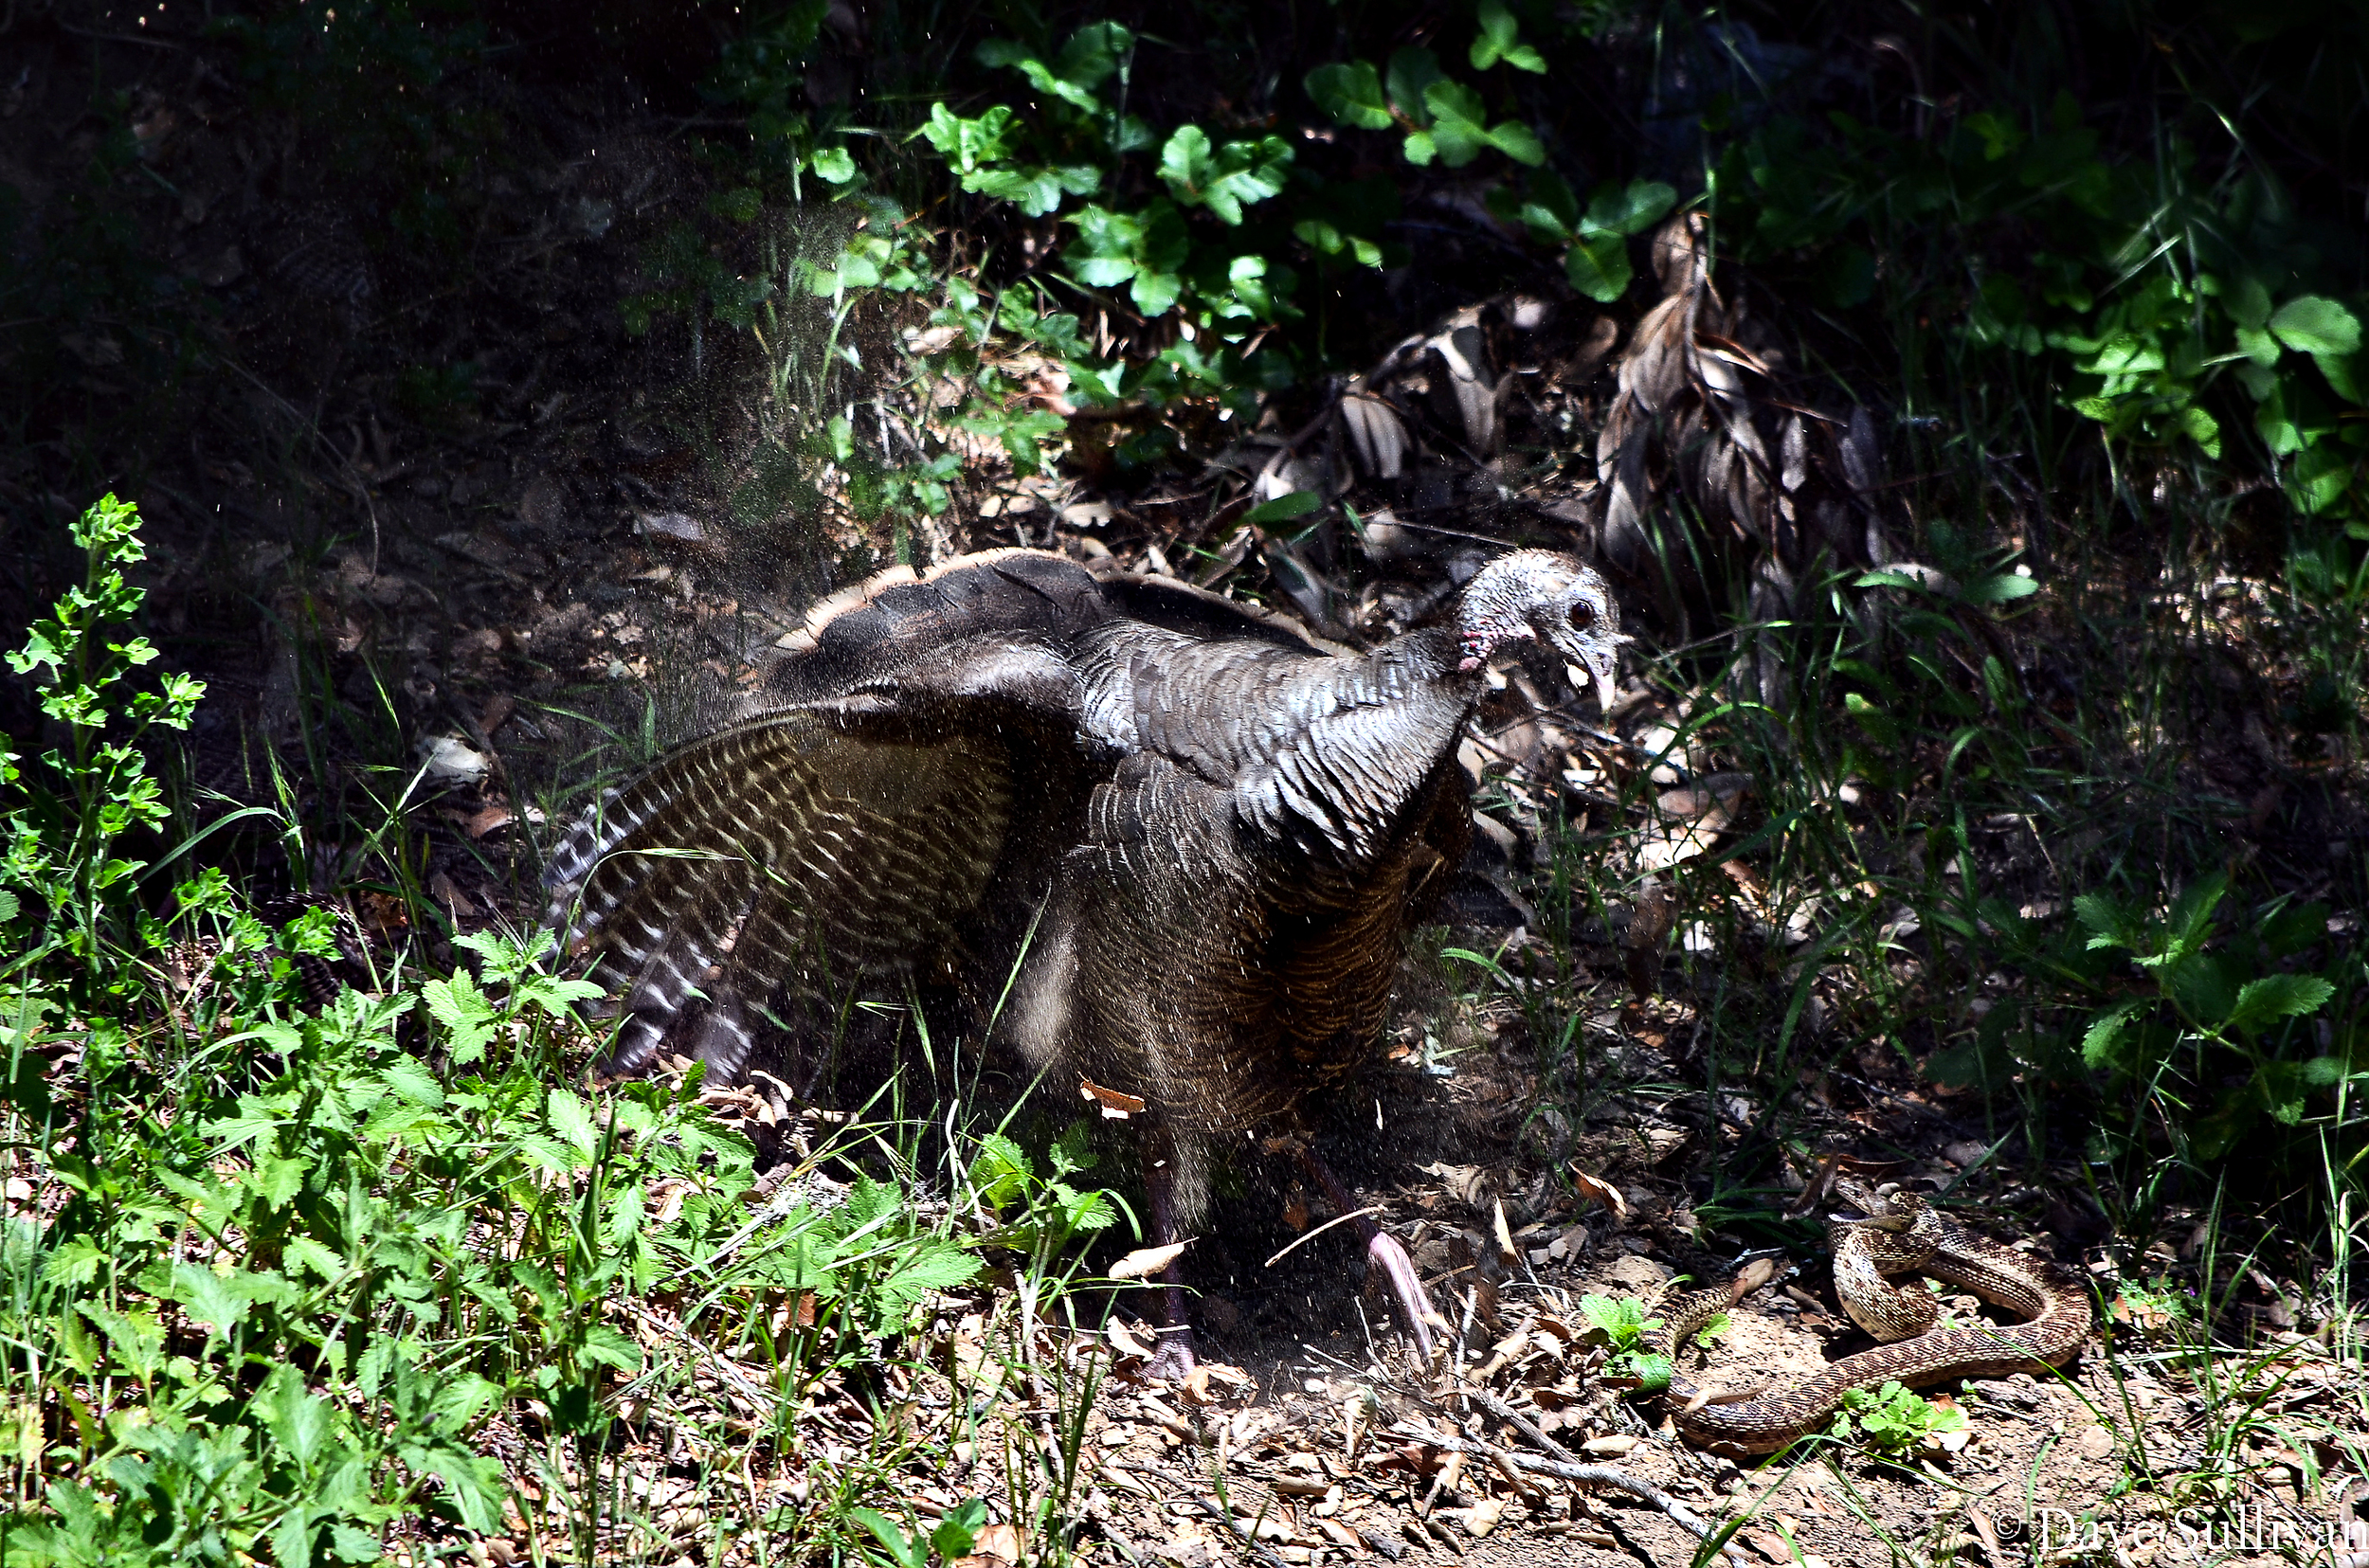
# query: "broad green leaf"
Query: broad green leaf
{"points": [[2108, 923], [1545, 206], [1156, 293], [1499, 40], [1652, 1372], [968, 144], [609, 1347], [1517, 141], [1599, 267], [2263, 1003], [1326, 240], [2278, 431], [221, 1301], [2258, 346], [1628, 210], [2097, 1041], [958, 1530], [1002, 52], [1188, 162], [932, 1265], [2321, 477], [300, 1419], [135, 1337], [474, 1483], [2312, 325], [1035, 191], [1459, 121], [1225, 179], [833, 164], [2202, 428], [572, 1119], [1999, 588], [1410, 76], [2346, 376], [292, 1539], [2247, 301], [1297, 503], [1095, 53], [409, 1077], [276, 1180], [903, 1550], [1350, 92]]}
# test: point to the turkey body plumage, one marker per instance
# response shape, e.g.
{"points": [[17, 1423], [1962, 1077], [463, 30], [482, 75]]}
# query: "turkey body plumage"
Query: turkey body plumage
{"points": [[1166, 842]]}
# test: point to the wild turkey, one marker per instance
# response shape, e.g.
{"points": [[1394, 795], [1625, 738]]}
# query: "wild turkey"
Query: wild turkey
{"points": [[1166, 841]]}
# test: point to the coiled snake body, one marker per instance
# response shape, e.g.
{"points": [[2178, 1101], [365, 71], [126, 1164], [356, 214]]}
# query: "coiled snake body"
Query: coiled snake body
{"points": [[1901, 1232]]}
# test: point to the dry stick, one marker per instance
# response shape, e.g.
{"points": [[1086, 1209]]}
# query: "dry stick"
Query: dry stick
{"points": [[1311, 1235], [1516, 1419], [1684, 1517], [1225, 1517]]}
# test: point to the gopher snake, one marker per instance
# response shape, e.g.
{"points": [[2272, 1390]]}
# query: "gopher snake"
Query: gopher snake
{"points": [[1902, 1231]]}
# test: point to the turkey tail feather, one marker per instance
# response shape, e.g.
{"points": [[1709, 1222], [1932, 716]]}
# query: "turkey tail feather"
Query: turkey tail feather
{"points": [[800, 849]]}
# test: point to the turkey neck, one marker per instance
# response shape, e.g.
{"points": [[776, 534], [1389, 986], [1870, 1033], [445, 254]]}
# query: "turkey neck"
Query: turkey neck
{"points": [[1330, 755]]}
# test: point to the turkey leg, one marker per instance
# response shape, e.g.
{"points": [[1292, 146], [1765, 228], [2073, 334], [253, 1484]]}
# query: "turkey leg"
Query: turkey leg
{"points": [[1175, 1359], [1381, 1250]]}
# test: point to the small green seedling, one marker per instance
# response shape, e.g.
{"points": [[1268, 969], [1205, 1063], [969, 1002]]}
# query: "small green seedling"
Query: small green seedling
{"points": [[1624, 1326], [955, 1534], [1895, 1420]]}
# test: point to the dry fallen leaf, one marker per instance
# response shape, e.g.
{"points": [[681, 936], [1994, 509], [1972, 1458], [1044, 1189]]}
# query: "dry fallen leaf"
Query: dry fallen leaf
{"points": [[478, 825], [1753, 1275], [1115, 1105], [448, 760], [1144, 1262], [441, 887], [1127, 1343], [1482, 1517], [1987, 1532], [1601, 1191]]}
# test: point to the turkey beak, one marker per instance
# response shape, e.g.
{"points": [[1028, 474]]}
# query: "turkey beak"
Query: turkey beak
{"points": [[1600, 667]]}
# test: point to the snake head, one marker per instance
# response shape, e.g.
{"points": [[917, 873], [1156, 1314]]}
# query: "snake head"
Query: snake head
{"points": [[1890, 1207]]}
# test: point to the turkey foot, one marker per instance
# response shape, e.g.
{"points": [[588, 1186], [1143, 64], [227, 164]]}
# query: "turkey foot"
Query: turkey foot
{"points": [[1176, 1357], [1382, 1250]]}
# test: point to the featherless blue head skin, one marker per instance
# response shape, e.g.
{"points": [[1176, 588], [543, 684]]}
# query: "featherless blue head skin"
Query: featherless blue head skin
{"points": [[1539, 596]]}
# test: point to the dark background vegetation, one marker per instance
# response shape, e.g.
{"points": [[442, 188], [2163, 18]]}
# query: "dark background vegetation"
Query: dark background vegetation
{"points": [[498, 381]]}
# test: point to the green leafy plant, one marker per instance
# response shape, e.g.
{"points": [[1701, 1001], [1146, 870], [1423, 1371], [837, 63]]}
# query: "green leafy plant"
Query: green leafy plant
{"points": [[1040, 1214], [66, 878], [1597, 236], [2213, 1005], [863, 1263], [292, 1258], [2174, 309], [953, 1536], [1895, 1420], [1624, 1327]]}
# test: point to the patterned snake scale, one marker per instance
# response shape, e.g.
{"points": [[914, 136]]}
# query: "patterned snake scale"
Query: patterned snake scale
{"points": [[1901, 1232]]}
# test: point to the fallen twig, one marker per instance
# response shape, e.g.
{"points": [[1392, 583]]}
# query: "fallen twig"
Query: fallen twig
{"points": [[1684, 1517], [1337, 1219]]}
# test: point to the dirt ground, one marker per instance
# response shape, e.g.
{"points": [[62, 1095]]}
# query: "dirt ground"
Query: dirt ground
{"points": [[2239, 1459]]}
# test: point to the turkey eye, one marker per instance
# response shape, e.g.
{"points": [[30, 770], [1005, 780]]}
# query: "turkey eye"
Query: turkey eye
{"points": [[1583, 616]]}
